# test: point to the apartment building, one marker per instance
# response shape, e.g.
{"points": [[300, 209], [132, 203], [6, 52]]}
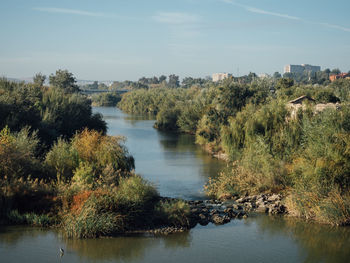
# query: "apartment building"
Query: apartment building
{"points": [[301, 68]]}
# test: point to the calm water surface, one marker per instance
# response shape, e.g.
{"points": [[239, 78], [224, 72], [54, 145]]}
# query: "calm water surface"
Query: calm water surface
{"points": [[172, 161], [180, 169]]}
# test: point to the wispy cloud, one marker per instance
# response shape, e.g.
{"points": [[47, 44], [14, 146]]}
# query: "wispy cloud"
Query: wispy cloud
{"points": [[261, 11], [264, 12], [176, 18], [286, 16], [346, 29], [68, 11]]}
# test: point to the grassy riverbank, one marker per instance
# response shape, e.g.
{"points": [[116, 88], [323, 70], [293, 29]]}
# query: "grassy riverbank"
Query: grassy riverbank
{"points": [[91, 190], [58, 168], [273, 144], [64, 171]]}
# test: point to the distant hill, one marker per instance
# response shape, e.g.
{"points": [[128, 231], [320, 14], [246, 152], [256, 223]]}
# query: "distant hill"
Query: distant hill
{"points": [[26, 80]]}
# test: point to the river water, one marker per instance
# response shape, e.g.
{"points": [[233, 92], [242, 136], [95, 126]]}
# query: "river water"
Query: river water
{"points": [[179, 169]]}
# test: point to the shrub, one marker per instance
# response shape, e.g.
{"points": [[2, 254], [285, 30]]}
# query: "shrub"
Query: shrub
{"points": [[174, 213], [93, 217], [108, 211], [84, 176], [137, 191], [63, 159], [18, 155], [95, 148], [14, 217]]}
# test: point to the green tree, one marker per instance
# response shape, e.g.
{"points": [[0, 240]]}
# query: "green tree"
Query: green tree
{"points": [[277, 75], [336, 71], [162, 78], [65, 80], [39, 79], [284, 83], [174, 81]]}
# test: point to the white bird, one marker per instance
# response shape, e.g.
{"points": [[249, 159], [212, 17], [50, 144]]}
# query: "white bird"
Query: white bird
{"points": [[61, 251]]}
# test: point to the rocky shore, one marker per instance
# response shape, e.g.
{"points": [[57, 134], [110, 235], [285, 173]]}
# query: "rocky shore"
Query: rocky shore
{"points": [[220, 212]]}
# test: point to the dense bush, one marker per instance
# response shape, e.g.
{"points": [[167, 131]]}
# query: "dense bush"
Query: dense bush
{"points": [[174, 213], [52, 111], [18, 155], [108, 211], [109, 99], [306, 156], [90, 156], [93, 193]]}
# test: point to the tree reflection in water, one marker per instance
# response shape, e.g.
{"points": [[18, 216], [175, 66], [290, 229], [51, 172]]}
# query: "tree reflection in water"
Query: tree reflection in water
{"points": [[318, 243], [126, 248]]}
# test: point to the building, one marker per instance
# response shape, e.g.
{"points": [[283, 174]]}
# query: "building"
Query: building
{"points": [[339, 76], [264, 75], [301, 68], [220, 76], [302, 103]]}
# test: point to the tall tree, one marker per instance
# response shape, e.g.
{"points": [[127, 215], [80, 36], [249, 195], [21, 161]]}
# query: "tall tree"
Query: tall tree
{"points": [[174, 81], [39, 79], [162, 78], [65, 80], [277, 75]]}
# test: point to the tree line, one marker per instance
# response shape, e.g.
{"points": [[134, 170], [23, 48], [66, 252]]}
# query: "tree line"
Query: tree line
{"points": [[59, 168], [305, 158]]}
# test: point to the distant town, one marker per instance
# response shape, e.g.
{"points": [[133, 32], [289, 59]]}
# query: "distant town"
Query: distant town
{"points": [[293, 70], [303, 73]]}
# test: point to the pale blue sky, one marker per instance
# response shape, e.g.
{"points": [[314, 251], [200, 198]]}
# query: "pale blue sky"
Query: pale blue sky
{"points": [[128, 39]]}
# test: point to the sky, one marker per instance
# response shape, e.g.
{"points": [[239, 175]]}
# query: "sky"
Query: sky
{"points": [[129, 39]]}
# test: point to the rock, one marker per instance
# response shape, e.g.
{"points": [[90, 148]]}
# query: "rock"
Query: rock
{"points": [[203, 220], [240, 200], [248, 206], [227, 219], [237, 207], [230, 212], [201, 206], [241, 214], [274, 198], [220, 220], [252, 198], [214, 211], [205, 211], [195, 211], [262, 209]]}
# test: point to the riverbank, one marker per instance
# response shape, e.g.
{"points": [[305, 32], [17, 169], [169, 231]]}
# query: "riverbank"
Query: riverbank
{"points": [[158, 216], [219, 212]]}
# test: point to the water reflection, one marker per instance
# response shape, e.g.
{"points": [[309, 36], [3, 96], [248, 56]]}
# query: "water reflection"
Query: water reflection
{"points": [[126, 249], [180, 169], [172, 161], [320, 243], [257, 239], [10, 236]]}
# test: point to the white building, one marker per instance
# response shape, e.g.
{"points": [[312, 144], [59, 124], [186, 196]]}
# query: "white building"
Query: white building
{"points": [[264, 75], [220, 76], [301, 68]]}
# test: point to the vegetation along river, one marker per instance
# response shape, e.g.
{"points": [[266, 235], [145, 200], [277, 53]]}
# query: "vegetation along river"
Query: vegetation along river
{"points": [[179, 169]]}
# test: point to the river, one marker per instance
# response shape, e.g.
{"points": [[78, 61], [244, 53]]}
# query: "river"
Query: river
{"points": [[179, 169]]}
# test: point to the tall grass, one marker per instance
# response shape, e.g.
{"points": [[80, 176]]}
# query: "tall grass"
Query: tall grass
{"points": [[109, 211], [175, 213]]}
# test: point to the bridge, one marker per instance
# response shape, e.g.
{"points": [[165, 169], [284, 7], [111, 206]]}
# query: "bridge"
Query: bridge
{"points": [[97, 91]]}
